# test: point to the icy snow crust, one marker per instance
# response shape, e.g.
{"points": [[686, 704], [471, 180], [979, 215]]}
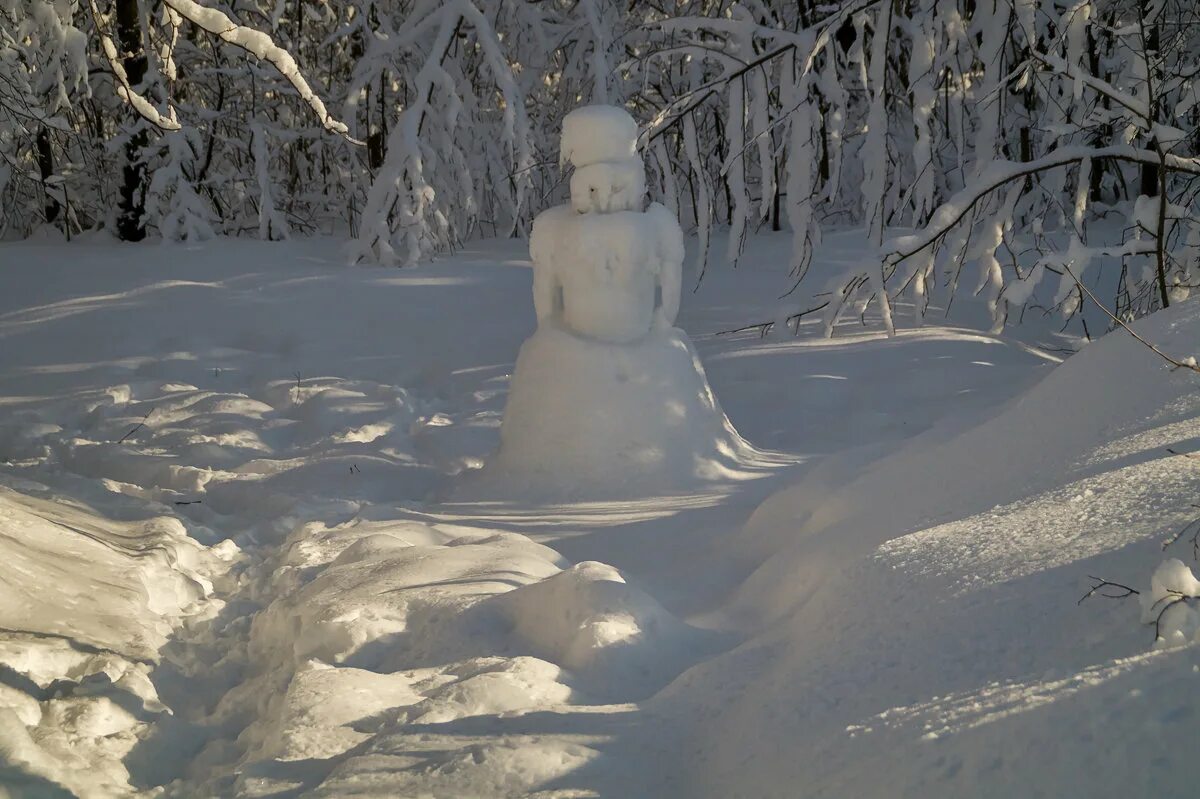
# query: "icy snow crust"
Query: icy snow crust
{"points": [[898, 618]]}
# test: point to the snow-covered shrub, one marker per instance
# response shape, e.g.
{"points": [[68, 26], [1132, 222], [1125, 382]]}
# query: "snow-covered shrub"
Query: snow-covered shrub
{"points": [[172, 203]]}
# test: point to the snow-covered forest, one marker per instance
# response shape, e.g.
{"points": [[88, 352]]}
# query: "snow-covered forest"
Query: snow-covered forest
{"points": [[999, 131], [682, 399]]}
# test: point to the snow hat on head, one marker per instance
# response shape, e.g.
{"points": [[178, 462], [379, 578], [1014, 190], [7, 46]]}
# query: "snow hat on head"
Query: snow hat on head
{"points": [[596, 133]]}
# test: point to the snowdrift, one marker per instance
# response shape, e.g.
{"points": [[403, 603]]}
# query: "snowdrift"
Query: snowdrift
{"points": [[399, 649], [86, 605], [918, 632], [1112, 409]]}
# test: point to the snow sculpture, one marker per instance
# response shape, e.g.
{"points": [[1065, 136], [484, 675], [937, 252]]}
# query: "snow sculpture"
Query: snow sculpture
{"points": [[600, 263], [608, 399]]}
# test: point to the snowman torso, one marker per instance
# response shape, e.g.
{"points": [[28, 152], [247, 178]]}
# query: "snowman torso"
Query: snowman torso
{"points": [[608, 287]]}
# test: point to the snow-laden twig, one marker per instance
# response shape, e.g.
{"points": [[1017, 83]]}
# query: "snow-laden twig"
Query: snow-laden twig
{"points": [[1193, 526], [999, 172], [217, 23]]}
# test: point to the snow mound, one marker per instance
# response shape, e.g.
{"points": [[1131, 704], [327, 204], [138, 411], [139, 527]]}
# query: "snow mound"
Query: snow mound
{"points": [[588, 619], [1168, 606], [597, 133], [394, 649], [379, 603]]}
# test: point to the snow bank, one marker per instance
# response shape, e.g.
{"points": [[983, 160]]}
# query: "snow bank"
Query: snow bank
{"points": [[86, 604], [916, 626], [1106, 410]]}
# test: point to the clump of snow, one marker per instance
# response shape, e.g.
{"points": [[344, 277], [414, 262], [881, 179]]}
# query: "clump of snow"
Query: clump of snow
{"points": [[591, 621], [1166, 605], [596, 133]]}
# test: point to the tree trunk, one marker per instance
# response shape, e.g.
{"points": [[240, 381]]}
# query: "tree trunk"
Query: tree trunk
{"points": [[130, 224], [45, 157], [1149, 177]]}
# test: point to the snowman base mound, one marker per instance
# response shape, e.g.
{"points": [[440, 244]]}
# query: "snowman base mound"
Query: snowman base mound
{"points": [[589, 420]]}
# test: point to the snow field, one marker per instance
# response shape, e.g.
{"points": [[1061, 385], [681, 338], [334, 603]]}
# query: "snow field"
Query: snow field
{"points": [[408, 616], [342, 626], [899, 618]]}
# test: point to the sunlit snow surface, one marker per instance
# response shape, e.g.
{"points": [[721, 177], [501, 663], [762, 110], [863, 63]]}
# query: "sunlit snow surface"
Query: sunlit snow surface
{"points": [[236, 559]]}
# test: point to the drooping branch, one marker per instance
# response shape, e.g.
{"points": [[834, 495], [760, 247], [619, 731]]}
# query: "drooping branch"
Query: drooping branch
{"points": [[999, 173], [227, 30]]}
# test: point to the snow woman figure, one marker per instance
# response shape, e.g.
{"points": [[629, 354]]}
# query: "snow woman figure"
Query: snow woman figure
{"points": [[608, 399], [600, 263]]}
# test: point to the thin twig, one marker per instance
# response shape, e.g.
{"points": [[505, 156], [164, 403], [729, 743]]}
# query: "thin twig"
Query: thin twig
{"points": [[1102, 583], [1174, 599], [138, 427], [765, 327]]}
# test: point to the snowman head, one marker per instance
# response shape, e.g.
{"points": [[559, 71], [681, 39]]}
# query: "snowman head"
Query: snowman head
{"points": [[608, 186], [601, 142]]}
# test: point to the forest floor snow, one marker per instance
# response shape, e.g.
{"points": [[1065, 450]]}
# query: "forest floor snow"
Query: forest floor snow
{"points": [[235, 562]]}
